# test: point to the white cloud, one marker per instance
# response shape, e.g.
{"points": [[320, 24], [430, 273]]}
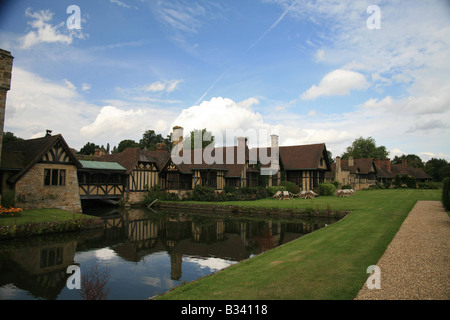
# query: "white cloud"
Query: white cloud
{"points": [[337, 82], [35, 104], [119, 124], [180, 16], [167, 86], [122, 4], [85, 86], [220, 114], [43, 31]]}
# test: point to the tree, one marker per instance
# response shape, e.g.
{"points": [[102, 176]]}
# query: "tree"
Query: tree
{"points": [[88, 149], [437, 168], [365, 148], [413, 160], [150, 139], [124, 144], [10, 137], [207, 138], [330, 157]]}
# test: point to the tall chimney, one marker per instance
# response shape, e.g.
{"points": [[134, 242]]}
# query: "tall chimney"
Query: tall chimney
{"points": [[337, 172], [404, 163], [378, 162], [177, 137], [241, 150], [274, 152], [388, 164], [6, 62], [350, 161]]}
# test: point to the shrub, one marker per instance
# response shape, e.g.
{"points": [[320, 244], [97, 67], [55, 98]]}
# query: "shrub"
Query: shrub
{"points": [[336, 184], [155, 192], [427, 185], [8, 199], [203, 193], [272, 190], [290, 186], [446, 193], [326, 189], [402, 180]]}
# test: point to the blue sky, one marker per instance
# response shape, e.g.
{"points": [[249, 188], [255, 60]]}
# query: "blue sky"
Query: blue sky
{"points": [[309, 71]]}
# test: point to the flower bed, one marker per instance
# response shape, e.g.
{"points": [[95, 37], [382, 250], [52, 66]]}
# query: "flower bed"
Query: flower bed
{"points": [[11, 212]]}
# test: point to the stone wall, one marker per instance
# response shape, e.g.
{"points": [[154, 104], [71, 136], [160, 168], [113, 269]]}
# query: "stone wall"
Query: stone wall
{"points": [[6, 61], [31, 193]]}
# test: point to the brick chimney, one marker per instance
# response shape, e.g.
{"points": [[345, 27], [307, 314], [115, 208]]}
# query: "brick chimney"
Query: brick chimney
{"points": [[378, 162], [6, 62], [388, 164], [161, 147], [177, 137], [350, 161], [404, 163]]}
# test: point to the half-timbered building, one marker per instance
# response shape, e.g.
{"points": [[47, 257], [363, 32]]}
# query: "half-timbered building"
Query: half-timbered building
{"points": [[41, 173], [142, 168]]}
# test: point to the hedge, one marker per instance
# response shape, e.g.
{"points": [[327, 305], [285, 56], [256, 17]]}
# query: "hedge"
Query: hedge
{"points": [[446, 193]]}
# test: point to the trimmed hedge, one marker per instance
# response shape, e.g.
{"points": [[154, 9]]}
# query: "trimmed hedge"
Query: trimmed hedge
{"points": [[446, 193], [327, 189]]}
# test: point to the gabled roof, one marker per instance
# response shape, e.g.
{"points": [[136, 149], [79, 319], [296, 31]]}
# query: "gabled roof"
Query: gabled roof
{"points": [[131, 156], [22, 155], [303, 157]]}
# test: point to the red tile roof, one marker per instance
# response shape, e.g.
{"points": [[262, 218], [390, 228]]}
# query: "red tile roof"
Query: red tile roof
{"points": [[304, 157]]}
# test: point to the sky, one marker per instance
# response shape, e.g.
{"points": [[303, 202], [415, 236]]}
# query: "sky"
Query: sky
{"points": [[309, 71]]}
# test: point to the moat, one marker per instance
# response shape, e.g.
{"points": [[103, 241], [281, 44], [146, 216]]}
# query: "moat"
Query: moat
{"points": [[143, 252]]}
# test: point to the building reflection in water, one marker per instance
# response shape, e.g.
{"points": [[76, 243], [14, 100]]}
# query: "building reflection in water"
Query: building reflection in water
{"points": [[39, 265]]}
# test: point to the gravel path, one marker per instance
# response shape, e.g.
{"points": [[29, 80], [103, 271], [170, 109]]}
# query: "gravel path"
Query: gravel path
{"points": [[415, 265]]}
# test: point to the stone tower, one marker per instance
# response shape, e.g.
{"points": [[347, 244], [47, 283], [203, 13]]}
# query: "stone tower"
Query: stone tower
{"points": [[6, 61]]}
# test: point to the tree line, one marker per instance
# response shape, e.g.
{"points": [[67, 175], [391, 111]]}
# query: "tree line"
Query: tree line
{"points": [[360, 148]]}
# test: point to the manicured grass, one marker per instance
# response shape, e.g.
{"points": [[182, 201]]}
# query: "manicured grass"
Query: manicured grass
{"points": [[41, 216], [329, 263]]}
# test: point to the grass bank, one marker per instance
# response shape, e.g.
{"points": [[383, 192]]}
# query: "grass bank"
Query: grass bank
{"points": [[41, 221], [329, 263]]}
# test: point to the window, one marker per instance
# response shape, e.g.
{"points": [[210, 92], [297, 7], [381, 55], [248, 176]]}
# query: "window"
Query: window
{"points": [[54, 177]]}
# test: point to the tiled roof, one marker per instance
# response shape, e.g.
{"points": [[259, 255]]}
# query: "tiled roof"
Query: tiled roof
{"points": [[131, 156], [401, 169], [22, 155], [303, 157]]}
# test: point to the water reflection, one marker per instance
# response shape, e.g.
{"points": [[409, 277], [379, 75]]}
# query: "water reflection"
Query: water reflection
{"points": [[146, 253]]}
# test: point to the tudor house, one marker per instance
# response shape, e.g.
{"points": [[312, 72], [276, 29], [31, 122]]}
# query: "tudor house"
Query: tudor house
{"points": [[182, 169], [45, 173], [142, 169], [362, 173], [42, 173]]}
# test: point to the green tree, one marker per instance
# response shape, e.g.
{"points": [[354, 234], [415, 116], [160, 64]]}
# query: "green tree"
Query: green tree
{"points": [[88, 149], [413, 160], [150, 139], [10, 137], [124, 144], [365, 148], [207, 138], [437, 168]]}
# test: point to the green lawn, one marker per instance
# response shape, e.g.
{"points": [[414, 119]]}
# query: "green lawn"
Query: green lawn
{"points": [[42, 215], [329, 263]]}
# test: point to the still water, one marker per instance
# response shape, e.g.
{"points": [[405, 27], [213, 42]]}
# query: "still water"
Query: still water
{"points": [[141, 253]]}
